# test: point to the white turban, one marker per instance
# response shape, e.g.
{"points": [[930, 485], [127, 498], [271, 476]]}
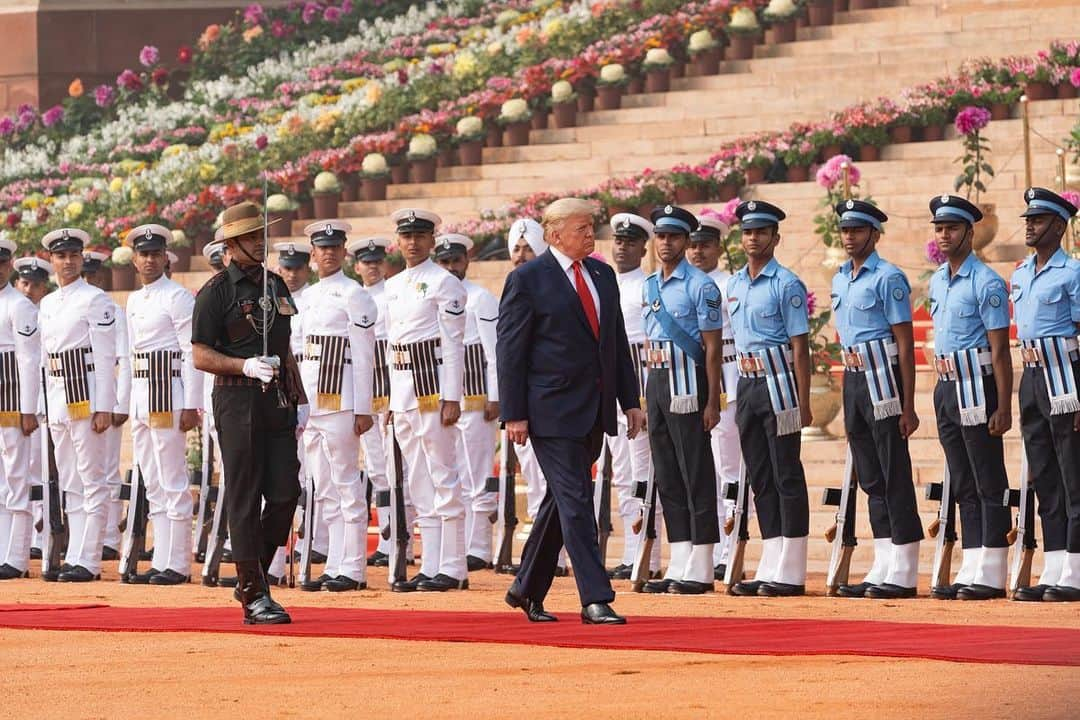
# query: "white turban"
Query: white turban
{"points": [[530, 230]]}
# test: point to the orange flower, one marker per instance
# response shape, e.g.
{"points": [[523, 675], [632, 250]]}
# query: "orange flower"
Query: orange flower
{"points": [[252, 33], [75, 89], [210, 34]]}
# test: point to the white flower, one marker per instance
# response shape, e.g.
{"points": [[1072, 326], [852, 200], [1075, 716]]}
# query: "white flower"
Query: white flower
{"points": [[612, 73], [422, 145], [658, 56], [179, 237], [469, 126], [122, 255], [561, 91], [327, 182], [743, 18], [276, 203], [514, 110], [374, 164], [781, 8], [701, 40]]}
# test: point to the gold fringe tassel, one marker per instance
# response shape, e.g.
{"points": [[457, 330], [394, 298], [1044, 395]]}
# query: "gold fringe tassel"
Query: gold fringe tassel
{"points": [[473, 403], [161, 420], [79, 410], [427, 403], [10, 419], [329, 401], [380, 404]]}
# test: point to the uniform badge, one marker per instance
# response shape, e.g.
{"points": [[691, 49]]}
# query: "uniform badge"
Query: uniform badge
{"points": [[850, 204], [626, 223], [796, 301], [371, 245], [149, 234], [1031, 193], [898, 293], [412, 216], [751, 206], [291, 250], [421, 288], [656, 305], [945, 198], [995, 301], [329, 229], [65, 234], [668, 209], [246, 307]]}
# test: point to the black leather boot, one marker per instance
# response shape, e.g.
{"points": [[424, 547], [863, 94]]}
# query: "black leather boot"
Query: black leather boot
{"points": [[259, 607]]}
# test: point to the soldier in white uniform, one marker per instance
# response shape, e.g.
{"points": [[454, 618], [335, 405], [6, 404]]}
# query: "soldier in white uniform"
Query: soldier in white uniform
{"points": [[166, 394], [94, 273], [703, 253], [78, 348], [20, 386], [480, 408], [338, 327], [425, 324]]}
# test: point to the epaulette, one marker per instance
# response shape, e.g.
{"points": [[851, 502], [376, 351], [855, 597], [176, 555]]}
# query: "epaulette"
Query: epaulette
{"points": [[214, 280]]}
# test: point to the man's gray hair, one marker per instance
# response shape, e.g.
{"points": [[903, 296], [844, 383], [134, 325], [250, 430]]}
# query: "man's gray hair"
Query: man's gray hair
{"points": [[557, 212]]}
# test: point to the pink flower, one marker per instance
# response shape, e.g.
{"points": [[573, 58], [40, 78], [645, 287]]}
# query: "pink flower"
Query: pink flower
{"points": [[129, 81], [832, 172], [346, 7], [7, 126], [279, 29], [52, 116], [727, 213], [104, 95], [254, 15], [160, 76], [1074, 77], [331, 14], [1072, 196], [149, 56], [261, 142], [972, 119], [934, 253], [811, 302], [311, 9]]}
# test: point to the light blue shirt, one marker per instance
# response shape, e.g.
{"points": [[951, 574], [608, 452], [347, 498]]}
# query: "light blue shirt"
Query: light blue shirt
{"points": [[1047, 304], [867, 306], [767, 311], [965, 306], [691, 298]]}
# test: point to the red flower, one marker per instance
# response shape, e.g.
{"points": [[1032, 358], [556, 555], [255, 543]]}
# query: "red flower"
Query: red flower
{"points": [[12, 219], [160, 76], [183, 55]]}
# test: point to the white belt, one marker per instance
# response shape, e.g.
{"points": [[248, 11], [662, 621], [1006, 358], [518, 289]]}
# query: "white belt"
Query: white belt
{"points": [[1032, 357], [854, 357], [752, 364], [945, 365]]}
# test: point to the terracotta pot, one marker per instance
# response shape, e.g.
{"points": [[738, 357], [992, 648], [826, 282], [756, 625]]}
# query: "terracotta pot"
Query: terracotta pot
{"points": [[755, 175], [636, 85], [840, 5], [689, 195], [830, 151], [325, 205], [825, 403], [985, 229], [707, 62], [783, 31], [933, 133], [869, 153], [199, 244], [123, 277], [1040, 91], [373, 189], [1000, 111], [516, 134], [471, 152], [742, 46], [1066, 91], [539, 120], [820, 13], [798, 173], [183, 257], [609, 97], [422, 171], [900, 134], [802, 21], [658, 81], [728, 190], [564, 115], [350, 187], [306, 210], [862, 4], [678, 70], [446, 157], [586, 100], [283, 228], [399, 174]]}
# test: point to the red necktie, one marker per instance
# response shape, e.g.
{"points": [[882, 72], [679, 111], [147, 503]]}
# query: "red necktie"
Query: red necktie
{"points": [[586, 299]]}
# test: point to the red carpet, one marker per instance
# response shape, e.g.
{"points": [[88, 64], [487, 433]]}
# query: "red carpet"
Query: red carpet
{"points": [[742, 636]]}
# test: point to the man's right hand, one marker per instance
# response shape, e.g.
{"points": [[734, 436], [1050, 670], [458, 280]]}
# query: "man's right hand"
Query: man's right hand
{"points": [[258, 369], [517, 431], [100, 422]]}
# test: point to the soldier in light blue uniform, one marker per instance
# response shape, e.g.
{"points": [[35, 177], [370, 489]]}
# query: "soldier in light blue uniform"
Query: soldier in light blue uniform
{"points": [[684, 396], [969, 305], [871, 303], [767, 304], [1046, 299]]}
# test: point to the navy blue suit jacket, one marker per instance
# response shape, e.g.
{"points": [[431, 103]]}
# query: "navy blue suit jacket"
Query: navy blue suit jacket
{"points": [[552, 370]]}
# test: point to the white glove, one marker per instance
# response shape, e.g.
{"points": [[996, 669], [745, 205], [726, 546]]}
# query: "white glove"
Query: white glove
{"points": [[303, 412], [258, 369]]}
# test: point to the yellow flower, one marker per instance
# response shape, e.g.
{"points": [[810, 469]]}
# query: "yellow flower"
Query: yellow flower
{"points": [[394, 65], [374, 93], [136, 193], [31, 203], [439, 49], [173, 150], [326, 121], [116, 185], [207, 172], [353, 84], [464, 65]]}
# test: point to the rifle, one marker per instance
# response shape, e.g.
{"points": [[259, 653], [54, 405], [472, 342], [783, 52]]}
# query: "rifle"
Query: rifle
{"points": [[399, 531], [1021, 537], [53, 522], [602, 501], [205, 472], [842, 533], [943, 528], [506, 516], [211, 570], [138, 509], [641, 571], [736, 529], [307, 534]]}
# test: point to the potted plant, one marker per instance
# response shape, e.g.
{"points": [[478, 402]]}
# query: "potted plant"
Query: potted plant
{"points": [[327, 193], [975, 166], [181, 247], [121, 269], [469, 136], [421, 157], [705, 52], [610, 86], [757, 164], [1038, 81], [374, 177], [870, 139], [657, 67], [514, 118], [819, 12], [932, 121], [692, 184], [280, 206], [862, 4], [825, 396], [743, 31], [781, 14], [563, 104], [798, 158]]}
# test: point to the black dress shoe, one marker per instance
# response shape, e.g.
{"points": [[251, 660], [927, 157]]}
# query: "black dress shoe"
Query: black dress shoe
{"points": [[315, 584], [227, 581], [263, 610], [779, 589], [78, 574], [980, 592], [510, 569], [54, 574], [35, 553], [317, 558], [889, 591], [600, 614], [108, 553], [1033, 593], [378, 559], [9, 572], [690, 587], [139, 578], [853, 591], [655, 575], [169, 577], [343, 583], [621, 571], [146, 555], [657, 587], [409, 585], [946, 592], [474, 563], [533, 610], [719, 572], [746, 588], [1061, 593], [275, 581], [441, 583], [561, 571]]}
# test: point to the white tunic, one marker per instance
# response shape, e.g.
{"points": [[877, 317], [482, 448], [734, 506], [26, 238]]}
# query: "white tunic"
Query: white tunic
{"points": [[159, 318], [19, 334], [338, 306], [123, 362], [423, 303], [80, 315], [631, 290], [296, 338], [481, 318], [378, 296]]}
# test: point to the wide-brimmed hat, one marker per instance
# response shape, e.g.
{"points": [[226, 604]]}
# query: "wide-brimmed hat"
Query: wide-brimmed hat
{"points": [[243, 218]]}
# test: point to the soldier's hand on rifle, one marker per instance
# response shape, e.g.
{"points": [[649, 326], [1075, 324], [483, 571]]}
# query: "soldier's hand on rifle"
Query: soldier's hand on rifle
{"points": [[710, 417], [491, 411], [29, 424], [100, 422], [189, 420], [119, 419], [361, 424], [450, 411], [1001, 420], [635, 422]]}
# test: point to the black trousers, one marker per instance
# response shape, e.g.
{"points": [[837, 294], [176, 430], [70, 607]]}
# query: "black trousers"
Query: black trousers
{"points": [[1053, 452], [683, 463], [882, 464], [258, 452], [565, 517], [773, 464], [976, 462]]}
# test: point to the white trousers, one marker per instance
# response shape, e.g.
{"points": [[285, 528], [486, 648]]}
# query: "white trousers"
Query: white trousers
{"points": [[331, 451], [113, 439], [476, 461], [727, 458], [81, 459], [161, 454], [435, 487], [16, 519], [375, 449], [631, 463]]}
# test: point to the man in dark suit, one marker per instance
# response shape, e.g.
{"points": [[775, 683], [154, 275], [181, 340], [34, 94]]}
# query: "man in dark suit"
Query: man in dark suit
{"points": [[563, 361]]}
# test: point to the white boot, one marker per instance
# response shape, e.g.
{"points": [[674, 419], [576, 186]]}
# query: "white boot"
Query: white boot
{"points": [[769, 563], [18, 549], [162, 531], [904, 567], [791, 568], [993, 567], [1070, 572], [882, 557], [354, 563], [969, 566], [680, 555], [1053, 564], [699, 565], [430, 542], [451, 556], [180, 542]]}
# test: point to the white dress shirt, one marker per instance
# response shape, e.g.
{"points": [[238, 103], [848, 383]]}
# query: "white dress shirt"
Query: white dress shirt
{"points": [[378, 296], [481, 318], [567, 265], [631, 290], [159, 318], [296, 337], [19, 334], [721, 277]]}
